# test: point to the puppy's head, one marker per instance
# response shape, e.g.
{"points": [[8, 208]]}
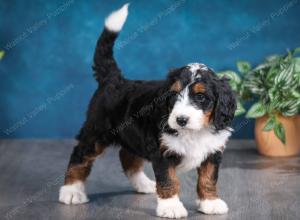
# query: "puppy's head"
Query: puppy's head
{"points": [[200, 99]]}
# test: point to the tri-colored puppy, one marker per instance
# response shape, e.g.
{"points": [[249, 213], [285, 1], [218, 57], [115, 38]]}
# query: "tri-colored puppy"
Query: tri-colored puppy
{"points": [[180, 123]]}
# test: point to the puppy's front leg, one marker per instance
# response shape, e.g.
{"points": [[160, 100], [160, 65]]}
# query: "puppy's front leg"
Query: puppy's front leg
{"points": [[209, 202], [167, 187]]}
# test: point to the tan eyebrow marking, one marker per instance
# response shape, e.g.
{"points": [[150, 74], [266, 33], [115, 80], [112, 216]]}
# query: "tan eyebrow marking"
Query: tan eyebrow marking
{"points": [[198, 87], [176, 87]]}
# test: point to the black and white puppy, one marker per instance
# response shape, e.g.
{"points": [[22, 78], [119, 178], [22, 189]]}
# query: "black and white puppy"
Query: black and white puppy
{"points": [[180, 123]]}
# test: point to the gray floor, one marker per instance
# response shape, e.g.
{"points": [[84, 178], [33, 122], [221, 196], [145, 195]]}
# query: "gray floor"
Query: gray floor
{"points": [[31, 173]]}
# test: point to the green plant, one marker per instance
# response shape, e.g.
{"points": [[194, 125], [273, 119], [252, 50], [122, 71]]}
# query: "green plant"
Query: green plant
{"points": [[1, 54], [273, 86]]}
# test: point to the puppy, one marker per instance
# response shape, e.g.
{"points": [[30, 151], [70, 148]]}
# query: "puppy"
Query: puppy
{"points": [[177, 124]]}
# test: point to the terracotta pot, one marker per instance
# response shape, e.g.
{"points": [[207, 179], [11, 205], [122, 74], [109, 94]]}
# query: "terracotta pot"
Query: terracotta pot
{"points": [[269, 145], [298, 126]]}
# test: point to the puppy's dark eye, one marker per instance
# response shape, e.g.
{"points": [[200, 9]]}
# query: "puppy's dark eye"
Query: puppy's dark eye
{"points": [[200, 97]]}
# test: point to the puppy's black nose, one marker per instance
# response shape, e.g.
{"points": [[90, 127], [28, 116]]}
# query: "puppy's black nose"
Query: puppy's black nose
{"points": [[182, 120]]}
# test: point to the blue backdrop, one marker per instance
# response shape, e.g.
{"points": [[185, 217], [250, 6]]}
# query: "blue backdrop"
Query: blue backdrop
{"points": [[46, 78]]}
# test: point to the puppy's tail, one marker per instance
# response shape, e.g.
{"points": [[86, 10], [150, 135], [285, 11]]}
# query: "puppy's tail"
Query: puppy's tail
{"points": [[105, 65]]}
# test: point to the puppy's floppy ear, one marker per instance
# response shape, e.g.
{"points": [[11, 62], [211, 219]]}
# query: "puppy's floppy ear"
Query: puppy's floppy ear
{"points": [[225, 105]]}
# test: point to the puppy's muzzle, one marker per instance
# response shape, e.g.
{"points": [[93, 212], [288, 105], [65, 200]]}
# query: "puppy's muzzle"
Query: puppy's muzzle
{"points": [[182, 120]]}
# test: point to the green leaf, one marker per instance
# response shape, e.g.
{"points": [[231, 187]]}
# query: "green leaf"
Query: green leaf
{"points": [[272, 72], [243, 66], [297, 64], [290, 113], [1, 54], [295, 94], [234, 79], [270, 124], [280, 132], [232, 76], [254, 84], [273, 58], [285, 76], [295, 51], [256, 110], [272, 94], [262, 66], [240, 109], [291, 107]]}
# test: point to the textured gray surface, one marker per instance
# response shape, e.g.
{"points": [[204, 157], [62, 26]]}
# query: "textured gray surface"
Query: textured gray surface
{"points": [[254, 187]]}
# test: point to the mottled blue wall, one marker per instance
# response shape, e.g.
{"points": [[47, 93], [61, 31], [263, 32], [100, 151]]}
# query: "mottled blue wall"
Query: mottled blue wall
{"points": [[46, 78]]}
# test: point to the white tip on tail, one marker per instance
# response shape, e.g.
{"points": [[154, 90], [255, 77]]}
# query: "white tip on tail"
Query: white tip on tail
{"points": [[115, 21]]}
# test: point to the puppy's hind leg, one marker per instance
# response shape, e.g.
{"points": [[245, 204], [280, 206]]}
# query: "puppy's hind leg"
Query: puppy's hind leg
{"points": [[133, 168], [81, 161]]}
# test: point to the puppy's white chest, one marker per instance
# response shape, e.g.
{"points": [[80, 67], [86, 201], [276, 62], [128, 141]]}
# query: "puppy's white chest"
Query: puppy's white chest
{"points": [[195, 146]]}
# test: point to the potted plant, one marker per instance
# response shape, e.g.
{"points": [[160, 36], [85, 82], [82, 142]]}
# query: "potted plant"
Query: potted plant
{"points": [[273, 89]]}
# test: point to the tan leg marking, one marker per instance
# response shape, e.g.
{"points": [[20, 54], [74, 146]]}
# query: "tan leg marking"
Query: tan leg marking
{"points": [[170, 187], [79, 172]]}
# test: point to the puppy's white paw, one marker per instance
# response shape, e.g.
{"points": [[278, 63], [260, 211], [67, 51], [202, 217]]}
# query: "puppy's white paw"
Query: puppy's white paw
{"points": [[171, 208], [142, 183], [73, 194], [215, 206]]}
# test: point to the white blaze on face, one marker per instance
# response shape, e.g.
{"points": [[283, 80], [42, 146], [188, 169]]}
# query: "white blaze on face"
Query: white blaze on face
{"points": [[197, 66], [184, 108]]}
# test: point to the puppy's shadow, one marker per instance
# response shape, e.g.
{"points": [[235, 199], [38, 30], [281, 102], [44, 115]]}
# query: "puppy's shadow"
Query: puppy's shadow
{"points": [[119, 197], [123, 201], [95, 197]]}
